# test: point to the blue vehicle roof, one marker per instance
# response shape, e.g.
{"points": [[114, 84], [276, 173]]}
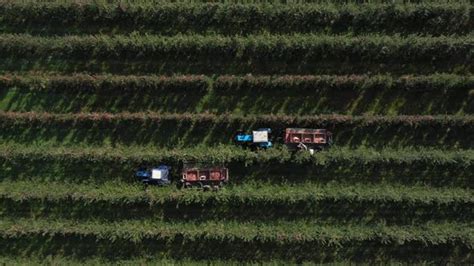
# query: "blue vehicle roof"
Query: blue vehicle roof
{"points": [[244, 137]]}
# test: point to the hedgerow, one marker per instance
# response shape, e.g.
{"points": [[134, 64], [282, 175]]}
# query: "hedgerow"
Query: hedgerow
{"points": [[106, 83], [172, 18], [279, 232], [28, 117], [304, 49], [408, 83], [230, 240], [254, 202], [77, 165], [250, 192], [223, 154], [12, 118], [310, 83], [61, 260]]}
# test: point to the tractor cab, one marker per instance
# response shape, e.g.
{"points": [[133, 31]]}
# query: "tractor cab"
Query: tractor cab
{"points": [[159, 175], [259, 138]]}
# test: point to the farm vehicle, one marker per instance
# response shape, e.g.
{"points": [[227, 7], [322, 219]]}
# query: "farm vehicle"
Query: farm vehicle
{"points": [[307, 139], [205, 176], [159, 175], [259, 138], [294, 138]]}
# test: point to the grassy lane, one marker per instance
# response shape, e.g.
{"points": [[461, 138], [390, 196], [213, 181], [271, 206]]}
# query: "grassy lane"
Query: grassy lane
{"points": [[286, 94], [189, 130], [330, 203], [408, 166]]}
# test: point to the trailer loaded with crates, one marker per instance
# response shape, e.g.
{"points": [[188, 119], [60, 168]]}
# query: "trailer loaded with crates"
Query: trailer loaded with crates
{"points": [[210, 176], [307, 139], [203, 175]]}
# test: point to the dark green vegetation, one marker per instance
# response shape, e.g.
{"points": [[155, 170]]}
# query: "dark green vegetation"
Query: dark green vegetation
{"points": [[324, 203], [432, 167], [306, 95], [90, 90], [172, 18], [261, 53]]}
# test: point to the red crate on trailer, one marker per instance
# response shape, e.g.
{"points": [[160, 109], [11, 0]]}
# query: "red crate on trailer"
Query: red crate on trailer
{"points": [[203, 175], [317, 139]]}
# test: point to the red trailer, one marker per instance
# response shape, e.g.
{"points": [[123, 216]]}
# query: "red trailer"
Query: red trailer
{"points": [[203, 176], [307, 138]]}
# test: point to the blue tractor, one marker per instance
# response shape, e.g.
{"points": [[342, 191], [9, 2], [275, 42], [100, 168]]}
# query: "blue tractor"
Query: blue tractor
{"points": [[154, 176], [259, 138]]}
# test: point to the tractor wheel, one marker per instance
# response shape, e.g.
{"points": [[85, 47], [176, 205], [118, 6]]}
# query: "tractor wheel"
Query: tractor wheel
{"points": [[199, 185], [179, 184], [215, 188], [206, 187]]}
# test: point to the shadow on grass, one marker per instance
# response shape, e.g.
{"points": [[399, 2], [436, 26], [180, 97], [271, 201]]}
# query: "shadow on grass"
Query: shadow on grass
{"points": [[324, 210], [175, 133], [250, 101], [242, 66], [207, 247], [89, 170]]}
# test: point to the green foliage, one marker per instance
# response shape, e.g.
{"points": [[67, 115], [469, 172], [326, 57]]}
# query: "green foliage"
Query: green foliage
{"points": [[289, 2], [96, 165], [152, 83], [231, 240], [391, 79], [172, 18], [296, 53], [59, 260], [311, 84], [109, 84], [188, 130], [225, 154], [290, 95], [338, 203]]}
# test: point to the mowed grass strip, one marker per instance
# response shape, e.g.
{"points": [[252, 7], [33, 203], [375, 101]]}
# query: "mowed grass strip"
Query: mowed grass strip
{"points": [[86, 164], [189, 130], [232, 240], [285, 94], [265, 53], [334, 203], [173, 18]]}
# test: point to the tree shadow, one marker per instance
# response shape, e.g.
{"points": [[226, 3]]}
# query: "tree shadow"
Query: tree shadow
{"points": [[180, 133], [202, 64], [305, 101]]}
